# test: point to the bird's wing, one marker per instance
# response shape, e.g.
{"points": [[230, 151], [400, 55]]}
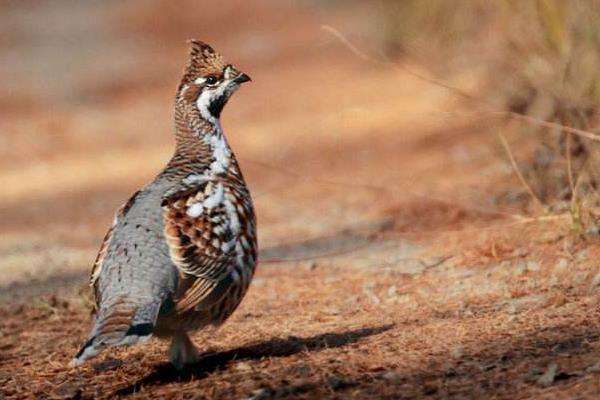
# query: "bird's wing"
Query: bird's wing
{"points": [[201, 242], [97, 266]]}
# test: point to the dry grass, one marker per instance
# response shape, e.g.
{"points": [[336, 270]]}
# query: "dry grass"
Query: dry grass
{"points": [[392, 266], [538, 62]]}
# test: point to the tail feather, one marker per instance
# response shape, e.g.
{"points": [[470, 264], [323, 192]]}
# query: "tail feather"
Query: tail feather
{"points": [[120, 324]]}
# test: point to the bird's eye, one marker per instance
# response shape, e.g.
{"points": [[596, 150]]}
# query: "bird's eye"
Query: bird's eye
{"points": [[211, 80]]}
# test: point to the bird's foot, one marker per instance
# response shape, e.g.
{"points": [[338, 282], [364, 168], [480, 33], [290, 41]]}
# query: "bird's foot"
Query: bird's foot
{"points": [[182, 351]]}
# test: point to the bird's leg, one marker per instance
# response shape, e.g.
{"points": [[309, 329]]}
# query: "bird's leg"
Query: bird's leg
{"points": [[183, 351]]}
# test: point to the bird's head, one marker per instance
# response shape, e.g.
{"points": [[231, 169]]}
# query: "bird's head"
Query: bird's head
{"points": [[208, 81]]}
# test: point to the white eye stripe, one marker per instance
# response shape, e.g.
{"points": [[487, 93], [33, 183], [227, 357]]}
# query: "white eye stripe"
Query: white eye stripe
{"points": [[200, 81], [229, 72]]}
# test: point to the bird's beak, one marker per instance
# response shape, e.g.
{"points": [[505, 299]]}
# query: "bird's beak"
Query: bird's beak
{"points": [[241, 78]]}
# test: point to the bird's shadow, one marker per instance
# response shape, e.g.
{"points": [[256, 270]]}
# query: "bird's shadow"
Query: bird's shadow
{"points": [[165, 373]]}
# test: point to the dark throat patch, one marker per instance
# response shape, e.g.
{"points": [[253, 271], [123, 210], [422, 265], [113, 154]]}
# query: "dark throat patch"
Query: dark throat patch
{"points": [[216, 106]]}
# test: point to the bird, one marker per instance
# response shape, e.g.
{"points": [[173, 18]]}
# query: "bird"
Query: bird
{"points": [[182, 251]]}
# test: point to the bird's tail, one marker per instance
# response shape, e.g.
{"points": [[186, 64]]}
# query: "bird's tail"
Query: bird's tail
{"points": [[119, 323]]}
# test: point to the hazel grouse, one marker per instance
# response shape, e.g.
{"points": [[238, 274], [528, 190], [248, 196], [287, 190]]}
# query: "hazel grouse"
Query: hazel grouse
{"points": [[181, 251]]}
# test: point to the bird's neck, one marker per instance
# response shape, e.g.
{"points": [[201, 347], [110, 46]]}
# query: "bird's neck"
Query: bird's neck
{"points": [[200, 144]]}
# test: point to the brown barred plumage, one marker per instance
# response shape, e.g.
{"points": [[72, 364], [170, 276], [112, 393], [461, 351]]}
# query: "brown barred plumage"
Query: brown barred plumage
{"points": [[182, 251]]}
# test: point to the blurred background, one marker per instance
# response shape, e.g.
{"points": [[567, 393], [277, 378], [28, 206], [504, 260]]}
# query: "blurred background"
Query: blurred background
{"points": [[327, 139], [379, 135], [87, 117]]}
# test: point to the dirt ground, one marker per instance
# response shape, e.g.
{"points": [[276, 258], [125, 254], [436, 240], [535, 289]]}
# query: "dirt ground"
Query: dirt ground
{"points": [[391, 267]]}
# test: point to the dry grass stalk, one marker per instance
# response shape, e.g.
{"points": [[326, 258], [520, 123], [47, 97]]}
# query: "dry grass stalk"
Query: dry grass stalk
{"points": [[554, 35], [522, 179]]}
